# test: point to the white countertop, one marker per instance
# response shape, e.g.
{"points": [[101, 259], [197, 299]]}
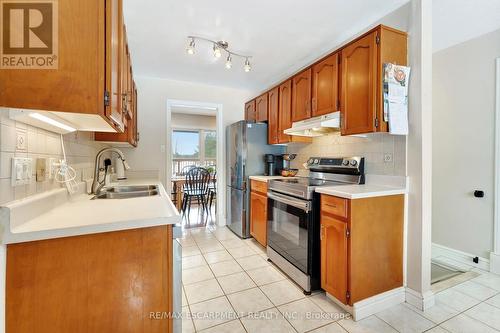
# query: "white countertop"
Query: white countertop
{"points": [[56, 214], [267, 178], [361, 191]]}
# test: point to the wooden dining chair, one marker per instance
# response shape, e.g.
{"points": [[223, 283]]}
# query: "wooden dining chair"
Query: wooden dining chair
{"points": [[196, 186], [212, 191]]}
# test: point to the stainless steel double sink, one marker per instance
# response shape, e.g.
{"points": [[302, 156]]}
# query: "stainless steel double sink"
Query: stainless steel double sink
{"points": [[125, 192]]}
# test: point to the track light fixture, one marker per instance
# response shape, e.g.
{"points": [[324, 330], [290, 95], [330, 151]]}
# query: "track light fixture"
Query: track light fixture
{"points": [[218, 48], [247, 66], [229, 64], [190, 47]]}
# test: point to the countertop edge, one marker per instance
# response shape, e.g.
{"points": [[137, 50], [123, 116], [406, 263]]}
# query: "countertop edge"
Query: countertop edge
{"points": [[12, 238], [338, 192]]}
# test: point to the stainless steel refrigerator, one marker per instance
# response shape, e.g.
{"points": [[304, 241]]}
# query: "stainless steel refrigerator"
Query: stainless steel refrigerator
{"points": [[246, 145]]}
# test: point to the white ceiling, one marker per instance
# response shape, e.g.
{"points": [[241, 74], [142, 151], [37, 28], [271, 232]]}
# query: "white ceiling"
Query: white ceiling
{"points": [[456, 21], [282, 35]]}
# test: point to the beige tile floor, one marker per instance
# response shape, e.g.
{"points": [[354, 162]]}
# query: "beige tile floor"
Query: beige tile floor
{"points": [[228, 286]]}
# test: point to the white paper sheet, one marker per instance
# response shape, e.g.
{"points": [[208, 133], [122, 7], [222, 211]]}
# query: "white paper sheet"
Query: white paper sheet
{"points": [[398, 118]]}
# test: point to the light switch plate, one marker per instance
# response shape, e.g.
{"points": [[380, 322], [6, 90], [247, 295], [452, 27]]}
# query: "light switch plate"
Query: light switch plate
{"points": [[21, 141], [21, 171]]}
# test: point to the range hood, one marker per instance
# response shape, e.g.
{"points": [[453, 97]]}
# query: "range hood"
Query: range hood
{"points": [[316, 126]]}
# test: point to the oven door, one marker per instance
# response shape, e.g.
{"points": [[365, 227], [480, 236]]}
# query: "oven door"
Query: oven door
{"points": [[288, 226]]}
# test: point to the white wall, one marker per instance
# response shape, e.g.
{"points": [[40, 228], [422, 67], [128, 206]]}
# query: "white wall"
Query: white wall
{"points": [[193, 121], [152, 122], [464, 116], [79, 146]]}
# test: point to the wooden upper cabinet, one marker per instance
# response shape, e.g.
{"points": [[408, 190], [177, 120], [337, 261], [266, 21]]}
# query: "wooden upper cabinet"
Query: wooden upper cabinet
{"points": [[261, 108], [250, 111], [334, 257], [284, 110], [325, 86], [273, 119], [114, 53], [87, 71], [301, 96], [362, 62], [359, 70], [126, 99]]}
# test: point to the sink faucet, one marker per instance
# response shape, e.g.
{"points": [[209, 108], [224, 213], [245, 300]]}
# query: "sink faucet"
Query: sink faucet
{"points": [[96, 185]]}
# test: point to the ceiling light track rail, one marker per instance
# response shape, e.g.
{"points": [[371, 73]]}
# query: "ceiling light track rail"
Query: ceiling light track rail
{"points": [[219, 47]]}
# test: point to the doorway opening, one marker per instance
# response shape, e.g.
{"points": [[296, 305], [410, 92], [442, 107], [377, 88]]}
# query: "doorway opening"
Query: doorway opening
{"points": [[194, 141]]}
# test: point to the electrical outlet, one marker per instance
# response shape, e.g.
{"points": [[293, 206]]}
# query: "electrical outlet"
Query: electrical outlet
{"points": [[41, 165], [387, 158], [51, 163]]}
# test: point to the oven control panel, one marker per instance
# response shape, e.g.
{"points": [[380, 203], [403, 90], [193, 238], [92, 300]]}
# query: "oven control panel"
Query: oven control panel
{"points": [[335, 162]]}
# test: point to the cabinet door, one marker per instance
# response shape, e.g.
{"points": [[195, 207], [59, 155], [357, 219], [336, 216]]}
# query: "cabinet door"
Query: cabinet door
{"points": [[325, 86], [258, 217], [250, 111], [334, 257], [261, 108], [272, 122], [358, 93], [285, 110], [114, 59], [76, 284], [78, 83], [301, 96]]}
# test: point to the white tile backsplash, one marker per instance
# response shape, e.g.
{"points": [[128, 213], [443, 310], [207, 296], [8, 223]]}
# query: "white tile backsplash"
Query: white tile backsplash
{"points": [[80, 148], [372, 146]]}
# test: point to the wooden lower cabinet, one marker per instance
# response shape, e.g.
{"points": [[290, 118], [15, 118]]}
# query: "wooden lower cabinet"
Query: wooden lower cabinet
{"points": [[361, 246], [334, 267], [258, 211], [107, 282]]}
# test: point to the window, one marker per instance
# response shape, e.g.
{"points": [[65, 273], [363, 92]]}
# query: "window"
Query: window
{"points": [[193, 147], [210, 144], [186, 144]]}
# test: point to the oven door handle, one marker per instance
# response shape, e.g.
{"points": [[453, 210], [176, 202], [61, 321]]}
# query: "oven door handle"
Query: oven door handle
{"points": [[301, 204]]}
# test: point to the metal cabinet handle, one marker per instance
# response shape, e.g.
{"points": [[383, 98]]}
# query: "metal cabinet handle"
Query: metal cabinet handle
{"points": [[331, 205]]}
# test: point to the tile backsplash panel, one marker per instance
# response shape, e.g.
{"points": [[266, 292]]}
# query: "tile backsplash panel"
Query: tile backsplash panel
{"points": [[374, 147], [79, 146]]}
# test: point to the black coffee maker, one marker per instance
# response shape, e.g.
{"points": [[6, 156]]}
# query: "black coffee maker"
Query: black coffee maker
{"points": [[270, 165]]}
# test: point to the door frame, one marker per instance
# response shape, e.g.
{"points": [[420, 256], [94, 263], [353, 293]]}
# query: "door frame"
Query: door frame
{"points": [[221, 172], [495, 255]]}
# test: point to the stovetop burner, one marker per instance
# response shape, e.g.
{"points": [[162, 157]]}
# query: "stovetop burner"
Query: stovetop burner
{"points": [[305, 181], [323, 172]]}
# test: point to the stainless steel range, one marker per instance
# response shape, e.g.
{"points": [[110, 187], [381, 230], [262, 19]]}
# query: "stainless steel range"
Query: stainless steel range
{"points": [[293, 227]]}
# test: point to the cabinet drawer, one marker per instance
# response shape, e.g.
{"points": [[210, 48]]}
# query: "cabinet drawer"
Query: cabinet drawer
{"points": [[258, 186], [333, 205]]}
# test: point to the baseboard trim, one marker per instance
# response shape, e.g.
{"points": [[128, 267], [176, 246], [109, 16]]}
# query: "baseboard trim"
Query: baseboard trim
{"points": [[374, 304], [419, 300], [460, 256], [377, 303], [495, 263]]}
